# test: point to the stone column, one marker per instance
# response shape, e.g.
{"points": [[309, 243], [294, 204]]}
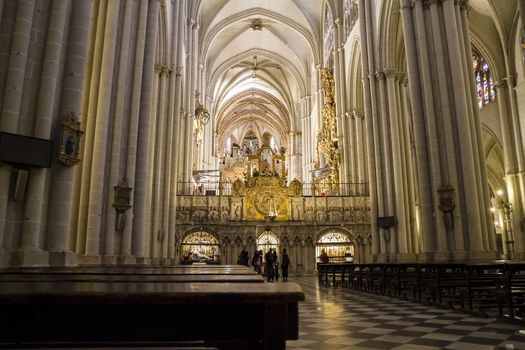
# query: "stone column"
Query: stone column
{"points": [[159, 229], [384, 143], [14, 85], [466, 139], [423, 166], [360, 145], [60, 210], [369, 107], [170, 181], [392, 78], [115, 177], [97, 176], [340, 102], [307, 143], [126, 256], [30, 252], [142, 208], [89, 116]]}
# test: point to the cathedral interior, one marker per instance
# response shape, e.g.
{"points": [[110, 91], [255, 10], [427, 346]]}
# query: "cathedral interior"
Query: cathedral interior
{"points": [[161, 132], [359, 135]]}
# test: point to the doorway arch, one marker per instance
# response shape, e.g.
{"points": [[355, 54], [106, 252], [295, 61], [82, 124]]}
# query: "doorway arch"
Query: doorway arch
{"points": [[338, 246], [200, 247], [266, 241]]}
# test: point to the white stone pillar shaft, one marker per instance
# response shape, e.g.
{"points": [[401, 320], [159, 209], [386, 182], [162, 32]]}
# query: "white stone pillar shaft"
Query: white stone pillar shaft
{"points": [[423, 166], [384, 143], [61, 190], [157, 169], [133, 129], [115, 176], [369, 107], [360, 145], [36, 201], [142, 212], [170, 204], [472, 211], [12, 99], [89, 113], [487, 227], [96, 195], [397, 163]]}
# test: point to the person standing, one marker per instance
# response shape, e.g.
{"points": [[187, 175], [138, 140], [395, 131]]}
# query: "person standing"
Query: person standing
{"points": [[268, 257], [324, 257], [276, 263], [285, 262], [255, 262]]}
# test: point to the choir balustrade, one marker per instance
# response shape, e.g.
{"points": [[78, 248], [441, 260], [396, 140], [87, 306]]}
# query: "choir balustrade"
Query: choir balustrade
{"points": [[197, 207]]}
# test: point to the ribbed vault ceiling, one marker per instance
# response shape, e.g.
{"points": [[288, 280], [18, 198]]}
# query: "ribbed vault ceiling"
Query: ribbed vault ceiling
{"points": [[258, 55]]}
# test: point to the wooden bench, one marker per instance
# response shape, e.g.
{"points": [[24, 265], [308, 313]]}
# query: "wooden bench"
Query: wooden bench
{"points": [[510, 290], [134, 274], [137, 270], [78, 313]]}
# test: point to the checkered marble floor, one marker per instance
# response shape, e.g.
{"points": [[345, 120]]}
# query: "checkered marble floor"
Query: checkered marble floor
{"points": [[336, 318]]}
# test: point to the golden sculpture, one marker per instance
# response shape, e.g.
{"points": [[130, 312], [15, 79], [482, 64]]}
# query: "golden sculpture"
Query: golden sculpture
{"points": [[328, 144]]}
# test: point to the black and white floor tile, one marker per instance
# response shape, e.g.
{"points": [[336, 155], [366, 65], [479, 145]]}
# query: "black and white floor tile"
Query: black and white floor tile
{"points": [[335, 318]]}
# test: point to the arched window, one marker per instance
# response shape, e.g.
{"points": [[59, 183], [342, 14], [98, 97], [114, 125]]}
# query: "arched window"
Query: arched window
{"points": [[337, 246], [351, 8], [523, 49], [328, 41], [484, 82], [200, 246]]}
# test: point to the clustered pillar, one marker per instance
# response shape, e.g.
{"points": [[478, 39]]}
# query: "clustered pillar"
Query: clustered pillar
{"points": [[450, 165]]}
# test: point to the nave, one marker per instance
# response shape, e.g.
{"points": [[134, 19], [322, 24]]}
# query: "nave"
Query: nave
{"points": [[335, 318]]}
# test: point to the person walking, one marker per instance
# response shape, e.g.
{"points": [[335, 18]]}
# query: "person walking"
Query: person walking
{"points": [[285, 262]]}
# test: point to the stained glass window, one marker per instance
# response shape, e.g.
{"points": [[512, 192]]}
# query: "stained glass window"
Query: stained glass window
{"points": [[328, 42], [523, 48], [484, 82], [351, 9]]}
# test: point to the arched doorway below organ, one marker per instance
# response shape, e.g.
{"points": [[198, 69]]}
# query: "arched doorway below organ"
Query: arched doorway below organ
{"points": [[337, 245], [200, 247], [266, 241]]}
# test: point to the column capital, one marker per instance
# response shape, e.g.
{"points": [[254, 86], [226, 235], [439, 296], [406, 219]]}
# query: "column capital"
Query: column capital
{"points": [[428, 3], [357, 114], [500, 84], [392, 73], [463, 4], [407, 4], [380, 76], [162, 70], [510, 81]]}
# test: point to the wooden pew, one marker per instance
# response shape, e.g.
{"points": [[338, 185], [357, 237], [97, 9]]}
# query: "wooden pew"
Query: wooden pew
{"points": [[225, 315], [510, 290], [137, 270], [178, 274]]}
